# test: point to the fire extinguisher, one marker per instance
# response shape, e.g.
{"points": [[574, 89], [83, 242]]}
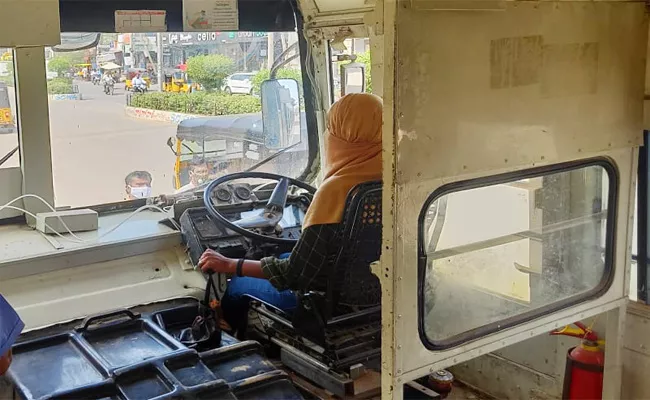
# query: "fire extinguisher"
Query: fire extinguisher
{"points": [[583, 376]]}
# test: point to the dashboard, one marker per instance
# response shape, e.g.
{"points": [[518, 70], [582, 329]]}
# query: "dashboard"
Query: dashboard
{"points": [[201, 231]]}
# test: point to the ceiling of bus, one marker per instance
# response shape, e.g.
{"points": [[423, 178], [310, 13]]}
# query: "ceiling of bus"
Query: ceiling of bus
{"points": [[99, 15]]}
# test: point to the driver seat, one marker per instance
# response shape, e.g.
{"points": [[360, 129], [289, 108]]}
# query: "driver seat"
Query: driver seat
{"points": [[347, 315]]}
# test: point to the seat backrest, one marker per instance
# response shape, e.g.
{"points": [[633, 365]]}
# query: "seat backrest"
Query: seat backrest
{"points": [[351, 282]]}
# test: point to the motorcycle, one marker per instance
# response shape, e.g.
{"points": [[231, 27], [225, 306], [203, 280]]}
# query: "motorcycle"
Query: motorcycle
{"points": [[109, 86], [139, 89], [96, 80]]}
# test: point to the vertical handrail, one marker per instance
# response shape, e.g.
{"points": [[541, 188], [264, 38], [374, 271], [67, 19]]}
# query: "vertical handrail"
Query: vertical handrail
{"points": [[642, 222]]}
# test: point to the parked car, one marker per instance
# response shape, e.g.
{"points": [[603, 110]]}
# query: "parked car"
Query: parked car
{"points": [[239, 83], [51, 75]]}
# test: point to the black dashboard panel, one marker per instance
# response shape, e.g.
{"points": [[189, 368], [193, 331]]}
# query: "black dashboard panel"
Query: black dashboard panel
{"points": [[201, 232]]}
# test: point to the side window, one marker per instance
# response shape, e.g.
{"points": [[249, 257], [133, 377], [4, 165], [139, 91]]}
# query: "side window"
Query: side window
{"points": [[354, 50], [510, 248], [9, 157]]}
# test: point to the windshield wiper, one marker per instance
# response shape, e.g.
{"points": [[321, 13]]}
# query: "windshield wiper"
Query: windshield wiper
{"points": [[8, 155], [271, 157]]}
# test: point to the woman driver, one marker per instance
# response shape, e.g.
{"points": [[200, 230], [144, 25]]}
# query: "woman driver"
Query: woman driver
{"points": [[352, 156]]}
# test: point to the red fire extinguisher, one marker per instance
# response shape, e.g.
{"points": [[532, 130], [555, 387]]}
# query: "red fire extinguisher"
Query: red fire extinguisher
{"points": [[583, 377]]}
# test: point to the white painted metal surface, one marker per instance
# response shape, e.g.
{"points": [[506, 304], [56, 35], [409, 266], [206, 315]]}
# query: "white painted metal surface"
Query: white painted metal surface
{"points": [[319, 8], [478, 93], [30, 23], [140, 262], [24, 251], [34, 127], [334, 13], [72, 293]]}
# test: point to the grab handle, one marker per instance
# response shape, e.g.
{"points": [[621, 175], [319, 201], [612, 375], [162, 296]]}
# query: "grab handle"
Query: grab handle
{"points": [[93, 319]]}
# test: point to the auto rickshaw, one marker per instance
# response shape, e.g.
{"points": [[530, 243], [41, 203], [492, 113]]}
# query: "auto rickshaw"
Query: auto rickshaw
{"points": [[178, 82], [131, 73], [82, 68], [228, 142], [6, 116]]}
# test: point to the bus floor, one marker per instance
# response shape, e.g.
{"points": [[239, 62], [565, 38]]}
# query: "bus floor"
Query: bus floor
{"points": [[460, 391]]}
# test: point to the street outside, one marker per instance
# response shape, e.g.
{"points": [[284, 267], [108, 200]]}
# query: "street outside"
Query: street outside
{"points": [[95, 145]]}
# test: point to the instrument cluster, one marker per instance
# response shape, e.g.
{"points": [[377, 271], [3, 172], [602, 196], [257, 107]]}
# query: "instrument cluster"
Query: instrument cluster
{"points": [[233, 194]]}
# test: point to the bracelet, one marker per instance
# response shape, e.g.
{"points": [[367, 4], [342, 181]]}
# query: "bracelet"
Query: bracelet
{"points": [[240, 264]]}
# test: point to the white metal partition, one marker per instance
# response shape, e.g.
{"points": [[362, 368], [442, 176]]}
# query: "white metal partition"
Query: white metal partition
{"points": [[34, 24], [478, 89]]}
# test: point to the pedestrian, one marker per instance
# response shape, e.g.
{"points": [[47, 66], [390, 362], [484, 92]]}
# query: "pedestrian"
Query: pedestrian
{"points": [[199, 174], [138, 185]]}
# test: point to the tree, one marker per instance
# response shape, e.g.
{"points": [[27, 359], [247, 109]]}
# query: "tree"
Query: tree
{"points": [[210, 70], [60, 65], [364, 58], [75, 57], [9, 76], [282, 73]]}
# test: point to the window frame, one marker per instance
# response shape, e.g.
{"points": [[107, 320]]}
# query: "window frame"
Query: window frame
{"points": [[641, 258], [33, 127], [494, 327], [36, 149]]}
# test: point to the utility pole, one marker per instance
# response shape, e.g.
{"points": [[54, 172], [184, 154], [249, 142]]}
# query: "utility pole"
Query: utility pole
{"points": [[270, 53], [160, 61]]}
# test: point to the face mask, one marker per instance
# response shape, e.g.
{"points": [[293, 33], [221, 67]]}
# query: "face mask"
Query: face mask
{"points": [[141, 192]]}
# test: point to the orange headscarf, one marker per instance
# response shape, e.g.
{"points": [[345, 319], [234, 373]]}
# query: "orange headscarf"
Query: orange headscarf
{"points": [[352, 155]]}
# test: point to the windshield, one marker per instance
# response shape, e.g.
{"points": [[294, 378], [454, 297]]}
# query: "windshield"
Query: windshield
{"points": [[183, 122]]}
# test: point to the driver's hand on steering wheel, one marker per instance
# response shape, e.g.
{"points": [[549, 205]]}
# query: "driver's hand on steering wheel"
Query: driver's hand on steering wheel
{"points": [[211, 261]]}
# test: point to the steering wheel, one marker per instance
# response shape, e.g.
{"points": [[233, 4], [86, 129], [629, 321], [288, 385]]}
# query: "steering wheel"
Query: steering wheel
{"points": [[268, 217]]}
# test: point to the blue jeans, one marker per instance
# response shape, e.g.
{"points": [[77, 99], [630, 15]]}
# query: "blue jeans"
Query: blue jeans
{"points": [[235, 301]]}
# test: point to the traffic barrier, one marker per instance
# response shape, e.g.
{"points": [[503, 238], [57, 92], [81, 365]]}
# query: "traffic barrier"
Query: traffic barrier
{"points": [[158, 115], [68, 96]]}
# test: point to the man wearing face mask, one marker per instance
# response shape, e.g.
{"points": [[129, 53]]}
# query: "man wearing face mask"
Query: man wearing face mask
{"points": [[138, 185], [199, 174]]}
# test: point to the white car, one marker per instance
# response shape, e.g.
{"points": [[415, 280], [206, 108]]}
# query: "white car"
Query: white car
{"points": [[239, 83]]}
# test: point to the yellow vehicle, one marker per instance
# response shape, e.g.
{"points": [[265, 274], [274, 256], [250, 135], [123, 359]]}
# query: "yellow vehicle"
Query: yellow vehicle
{"points": [[130, 74], [178, 82], [225, 142], [82, 67], [241, 142], [6, 117]]}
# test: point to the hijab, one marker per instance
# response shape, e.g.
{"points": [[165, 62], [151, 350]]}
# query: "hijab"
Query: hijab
{"points": [[352, 146]]}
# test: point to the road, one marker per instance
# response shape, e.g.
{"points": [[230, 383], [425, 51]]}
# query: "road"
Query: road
{"points": [[95, 145]]}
